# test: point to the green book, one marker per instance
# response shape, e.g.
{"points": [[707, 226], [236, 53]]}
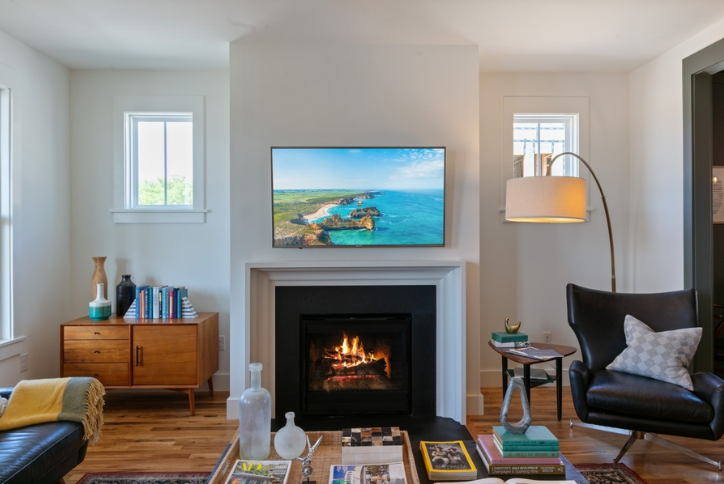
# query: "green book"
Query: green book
{"points": [[535, 435], [504, 337], [524, 453]]}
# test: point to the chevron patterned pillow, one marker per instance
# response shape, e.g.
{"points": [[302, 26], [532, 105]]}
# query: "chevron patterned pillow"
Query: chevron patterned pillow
{"points": [[663, 356]]}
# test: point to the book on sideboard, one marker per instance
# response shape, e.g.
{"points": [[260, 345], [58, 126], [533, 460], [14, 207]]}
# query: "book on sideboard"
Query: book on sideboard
{"points": [[447, 461]]}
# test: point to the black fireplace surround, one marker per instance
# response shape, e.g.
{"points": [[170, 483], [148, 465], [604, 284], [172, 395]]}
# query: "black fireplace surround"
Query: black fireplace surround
{"points": [[403, 315]]}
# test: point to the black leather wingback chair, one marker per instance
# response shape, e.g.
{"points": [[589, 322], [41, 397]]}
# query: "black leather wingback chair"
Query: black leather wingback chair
{"points": [[630, 404]]}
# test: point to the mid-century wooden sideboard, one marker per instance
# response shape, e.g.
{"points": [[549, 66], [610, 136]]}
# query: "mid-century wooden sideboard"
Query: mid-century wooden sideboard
{"points": [[176, 354]]}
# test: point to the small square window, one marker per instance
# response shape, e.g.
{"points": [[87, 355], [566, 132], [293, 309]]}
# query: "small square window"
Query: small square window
{"points": [[160, 161]]}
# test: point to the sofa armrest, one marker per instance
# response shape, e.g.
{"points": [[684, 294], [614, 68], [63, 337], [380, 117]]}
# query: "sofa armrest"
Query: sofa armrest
{"points": [[710, 388], [580, 377]]}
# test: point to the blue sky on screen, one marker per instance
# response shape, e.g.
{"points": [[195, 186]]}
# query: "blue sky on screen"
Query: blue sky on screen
{"points": [[358, 168]]}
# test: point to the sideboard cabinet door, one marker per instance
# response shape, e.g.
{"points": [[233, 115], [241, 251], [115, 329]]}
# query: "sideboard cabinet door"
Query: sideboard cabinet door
{"points": [[164, 355]]}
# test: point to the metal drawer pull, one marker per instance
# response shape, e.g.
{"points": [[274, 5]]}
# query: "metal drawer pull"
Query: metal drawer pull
{"points": [[96, 351], [137, 348], [96, 332]]}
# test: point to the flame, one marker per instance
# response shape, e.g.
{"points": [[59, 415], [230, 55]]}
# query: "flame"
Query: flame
{"points": [[347, 356]]}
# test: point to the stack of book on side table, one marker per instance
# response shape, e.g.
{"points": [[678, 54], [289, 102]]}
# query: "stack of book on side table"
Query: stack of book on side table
{"points": [[501, 339], [534, 454]]}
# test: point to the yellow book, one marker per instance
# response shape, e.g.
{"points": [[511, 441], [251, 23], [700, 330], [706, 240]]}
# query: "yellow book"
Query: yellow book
{"points": [[447, 461]]}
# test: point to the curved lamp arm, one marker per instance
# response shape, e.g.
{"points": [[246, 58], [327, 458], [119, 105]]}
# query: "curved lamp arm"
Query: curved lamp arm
{"points": [[605, 208]]}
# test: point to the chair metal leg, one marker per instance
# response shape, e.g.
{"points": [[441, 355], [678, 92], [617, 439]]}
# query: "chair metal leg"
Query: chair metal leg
{"points": [[635, 435], [680, 448]]}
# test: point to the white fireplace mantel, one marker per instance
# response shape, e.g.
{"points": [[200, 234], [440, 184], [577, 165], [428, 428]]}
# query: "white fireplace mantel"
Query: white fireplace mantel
{"points": [[253, 340]]}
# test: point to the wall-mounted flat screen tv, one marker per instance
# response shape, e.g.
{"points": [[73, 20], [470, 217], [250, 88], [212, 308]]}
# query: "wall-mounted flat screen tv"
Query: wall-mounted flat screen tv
{"points": [[358, 197]]}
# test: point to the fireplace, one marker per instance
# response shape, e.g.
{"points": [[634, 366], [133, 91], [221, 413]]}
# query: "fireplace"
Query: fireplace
{"points": [[253, 323], [355, 350]]}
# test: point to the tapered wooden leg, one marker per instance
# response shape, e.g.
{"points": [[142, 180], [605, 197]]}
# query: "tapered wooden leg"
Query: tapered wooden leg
{"points": [[191, 401], [211, 387]]}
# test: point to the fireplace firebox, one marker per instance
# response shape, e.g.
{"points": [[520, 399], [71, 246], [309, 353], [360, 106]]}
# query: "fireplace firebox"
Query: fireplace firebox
{"points": [[355, 363], [355, 350]]}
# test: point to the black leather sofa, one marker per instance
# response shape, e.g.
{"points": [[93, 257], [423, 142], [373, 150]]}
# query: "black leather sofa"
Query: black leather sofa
{"points": [[42, 453]]}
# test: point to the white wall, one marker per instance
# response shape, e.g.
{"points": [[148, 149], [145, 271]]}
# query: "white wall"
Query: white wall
{"points": [[657, 154], [41, 199], [296, 94], [194, 255], [525, 267]]}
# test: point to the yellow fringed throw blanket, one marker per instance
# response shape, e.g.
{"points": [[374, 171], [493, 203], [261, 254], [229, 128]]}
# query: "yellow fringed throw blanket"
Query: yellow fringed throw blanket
{"points": [[78, 399]]}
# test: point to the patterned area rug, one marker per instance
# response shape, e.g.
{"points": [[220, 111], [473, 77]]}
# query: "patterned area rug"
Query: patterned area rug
{"points": [[144, 478], [608, 474]]}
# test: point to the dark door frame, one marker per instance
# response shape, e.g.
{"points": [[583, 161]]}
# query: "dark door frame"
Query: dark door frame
{"points": [[697, 70]]}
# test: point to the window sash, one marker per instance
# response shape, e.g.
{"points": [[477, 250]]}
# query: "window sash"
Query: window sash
{"points": [[132, 159], [567, 166]]}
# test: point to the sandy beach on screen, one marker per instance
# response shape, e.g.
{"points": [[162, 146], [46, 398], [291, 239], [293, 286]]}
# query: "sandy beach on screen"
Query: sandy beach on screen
{"points": [[321, 212]]}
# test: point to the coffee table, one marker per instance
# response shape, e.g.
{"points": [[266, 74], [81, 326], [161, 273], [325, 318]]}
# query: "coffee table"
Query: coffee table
{"points": [[526, 362], [432, 428]]}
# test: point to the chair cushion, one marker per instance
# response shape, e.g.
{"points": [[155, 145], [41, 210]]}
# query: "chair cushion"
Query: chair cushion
{"points": [[637, 395], [664, 356]]}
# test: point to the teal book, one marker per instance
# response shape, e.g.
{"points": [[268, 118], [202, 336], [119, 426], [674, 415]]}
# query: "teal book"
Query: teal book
{"points": [[503, 337], [535, 435], [522, 453]]}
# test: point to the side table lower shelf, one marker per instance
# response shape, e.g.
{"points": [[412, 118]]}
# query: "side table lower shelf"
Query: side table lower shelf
{"points": [[327, 454]]}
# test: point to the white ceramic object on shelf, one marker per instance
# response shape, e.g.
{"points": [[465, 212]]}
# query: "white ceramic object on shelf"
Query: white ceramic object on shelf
{"points": [[255, 418], [290, 441]]}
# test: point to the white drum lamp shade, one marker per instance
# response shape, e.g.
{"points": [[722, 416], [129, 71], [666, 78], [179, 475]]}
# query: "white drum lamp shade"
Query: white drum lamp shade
{"points": [[546, 199]]}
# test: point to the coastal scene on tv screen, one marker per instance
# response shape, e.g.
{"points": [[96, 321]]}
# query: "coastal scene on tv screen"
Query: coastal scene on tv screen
{"points": [[358, 196]]}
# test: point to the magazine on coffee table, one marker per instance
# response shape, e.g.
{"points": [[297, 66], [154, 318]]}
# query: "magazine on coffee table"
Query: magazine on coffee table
{"points": [[255, 471], [368, 474]]}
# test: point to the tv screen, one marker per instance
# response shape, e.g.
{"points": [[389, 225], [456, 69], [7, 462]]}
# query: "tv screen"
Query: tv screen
{"points": [[354, 197]]}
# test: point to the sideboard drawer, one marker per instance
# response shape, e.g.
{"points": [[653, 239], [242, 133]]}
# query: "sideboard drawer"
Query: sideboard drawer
{"points": [[102, 351], [109, 374], [95, 332]]}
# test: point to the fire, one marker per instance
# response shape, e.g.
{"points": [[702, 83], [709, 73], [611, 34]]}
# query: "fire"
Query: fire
{"points": [[349, 354]]}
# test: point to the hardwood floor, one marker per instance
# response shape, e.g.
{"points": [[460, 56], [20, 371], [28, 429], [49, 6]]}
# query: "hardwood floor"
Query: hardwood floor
{"points": [[654, 463], [153, 432]]}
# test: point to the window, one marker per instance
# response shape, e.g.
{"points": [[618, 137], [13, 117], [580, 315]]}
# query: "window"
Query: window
{"points": [[159, 159], [537, 138], [6, 314]]}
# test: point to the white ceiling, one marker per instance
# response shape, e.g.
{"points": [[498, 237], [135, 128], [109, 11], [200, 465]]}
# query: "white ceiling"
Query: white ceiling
{"points": [[512, 35]]}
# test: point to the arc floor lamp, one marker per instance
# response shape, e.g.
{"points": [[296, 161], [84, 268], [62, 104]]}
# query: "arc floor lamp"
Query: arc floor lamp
{"points": [[554, 199]]}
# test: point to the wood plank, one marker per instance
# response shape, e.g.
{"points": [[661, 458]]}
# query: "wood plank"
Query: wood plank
{"points": [[151, 431]]}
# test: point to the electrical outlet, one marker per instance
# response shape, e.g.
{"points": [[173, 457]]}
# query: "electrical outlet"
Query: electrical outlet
{"points": [[23, 362], [222, 345], [547, 337]]}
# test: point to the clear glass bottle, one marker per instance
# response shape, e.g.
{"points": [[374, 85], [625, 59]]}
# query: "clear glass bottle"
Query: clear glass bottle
{"points": [[255, 418], [290, 441]]}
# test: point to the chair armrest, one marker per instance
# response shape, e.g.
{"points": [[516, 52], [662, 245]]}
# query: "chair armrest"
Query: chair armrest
{"points": [[710, 388], [580, 377]]}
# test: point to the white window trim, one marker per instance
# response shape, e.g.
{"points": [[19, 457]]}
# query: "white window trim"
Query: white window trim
{"points": [[122, 213], [10, 343], [541, 105]]}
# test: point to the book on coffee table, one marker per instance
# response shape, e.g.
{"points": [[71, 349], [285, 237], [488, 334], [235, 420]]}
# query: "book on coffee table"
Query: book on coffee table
{"points": [[393, 473], [515, 480], [447, 461], [253, 471]]}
